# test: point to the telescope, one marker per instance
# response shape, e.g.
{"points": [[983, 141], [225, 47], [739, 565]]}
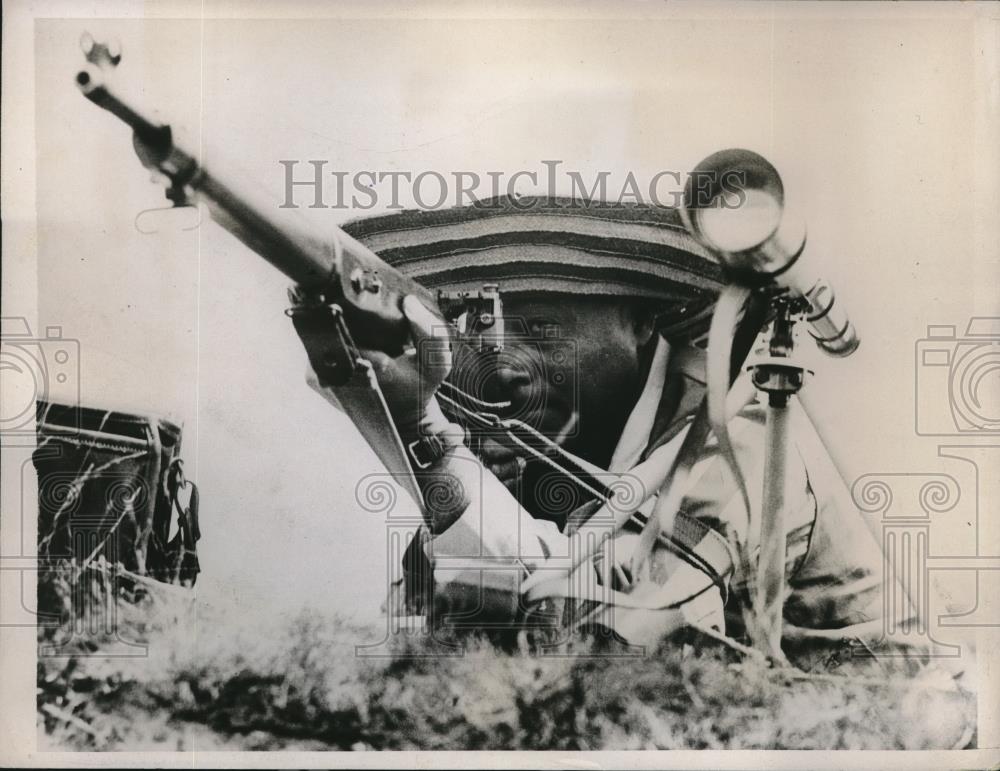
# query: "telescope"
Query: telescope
{"points": [[734, 206]]}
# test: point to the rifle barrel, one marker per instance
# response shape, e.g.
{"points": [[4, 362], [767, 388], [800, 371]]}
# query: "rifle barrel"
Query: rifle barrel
{"points": [[324, 260], [94, 86]]}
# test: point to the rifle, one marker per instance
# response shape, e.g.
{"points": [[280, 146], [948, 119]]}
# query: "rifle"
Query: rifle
{"points": [[363, 293], [364, 296], [329, 263]]}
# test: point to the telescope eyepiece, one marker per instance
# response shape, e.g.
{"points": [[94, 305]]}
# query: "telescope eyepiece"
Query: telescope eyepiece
{"points": [[734, 206]]}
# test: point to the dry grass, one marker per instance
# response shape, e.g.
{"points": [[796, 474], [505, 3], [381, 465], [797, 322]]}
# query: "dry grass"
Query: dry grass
{"points": [[211, 680]]}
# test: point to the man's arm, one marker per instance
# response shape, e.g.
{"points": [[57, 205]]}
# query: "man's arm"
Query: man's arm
{"points": [[469, 510]]}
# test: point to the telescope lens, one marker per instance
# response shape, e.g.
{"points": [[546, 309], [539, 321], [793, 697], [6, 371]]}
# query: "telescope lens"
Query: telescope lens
{"points": [[739, 222]]}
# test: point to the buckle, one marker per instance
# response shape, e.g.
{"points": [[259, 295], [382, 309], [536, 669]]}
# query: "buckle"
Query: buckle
{"points": [[430, 447]]}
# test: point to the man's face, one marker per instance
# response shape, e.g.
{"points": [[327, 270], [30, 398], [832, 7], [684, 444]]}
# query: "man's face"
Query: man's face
{"points": [[570, 368]]}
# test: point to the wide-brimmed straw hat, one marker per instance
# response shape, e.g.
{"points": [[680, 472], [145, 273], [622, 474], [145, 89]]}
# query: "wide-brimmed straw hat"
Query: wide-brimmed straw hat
{"points": [[552, 245]]}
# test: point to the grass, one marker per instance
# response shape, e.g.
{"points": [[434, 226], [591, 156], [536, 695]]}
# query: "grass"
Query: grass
{"points": [[213, 680]]}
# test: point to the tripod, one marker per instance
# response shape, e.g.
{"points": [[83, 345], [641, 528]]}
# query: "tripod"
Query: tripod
{"points": [[778, 374]]}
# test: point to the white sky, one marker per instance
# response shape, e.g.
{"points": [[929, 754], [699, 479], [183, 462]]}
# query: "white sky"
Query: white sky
{"points": [[871, 124]]}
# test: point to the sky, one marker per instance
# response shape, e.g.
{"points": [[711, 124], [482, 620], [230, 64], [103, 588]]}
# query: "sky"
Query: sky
{"points": [[872, 123]]}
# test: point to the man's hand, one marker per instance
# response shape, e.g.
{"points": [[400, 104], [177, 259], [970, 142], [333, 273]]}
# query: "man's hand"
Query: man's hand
{"points": [[408, 381], [503, 462]]}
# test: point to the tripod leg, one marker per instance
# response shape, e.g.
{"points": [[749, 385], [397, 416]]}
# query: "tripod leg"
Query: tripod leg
{"points": [[771, 565]]}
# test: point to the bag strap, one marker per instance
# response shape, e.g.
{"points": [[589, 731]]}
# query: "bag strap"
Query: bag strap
{"points": [[347, 379], [729, 343], [711, 550], [184, 546]]}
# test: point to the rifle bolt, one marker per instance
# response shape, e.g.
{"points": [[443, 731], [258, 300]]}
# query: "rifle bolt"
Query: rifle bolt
{"points": [[365, 281]]}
